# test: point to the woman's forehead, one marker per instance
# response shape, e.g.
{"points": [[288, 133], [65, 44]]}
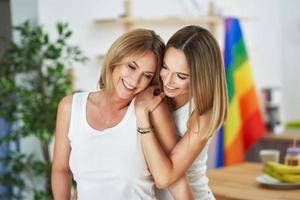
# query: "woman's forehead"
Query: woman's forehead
{"points": [[175, 59]]}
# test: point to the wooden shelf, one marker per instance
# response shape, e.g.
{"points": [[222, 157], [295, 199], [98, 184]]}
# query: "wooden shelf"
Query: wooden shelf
{"points": [[167, 20], [128, 21]]}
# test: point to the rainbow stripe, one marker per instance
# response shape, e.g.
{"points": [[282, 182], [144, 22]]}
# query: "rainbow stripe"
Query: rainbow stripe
{"points": [[244, 125]]}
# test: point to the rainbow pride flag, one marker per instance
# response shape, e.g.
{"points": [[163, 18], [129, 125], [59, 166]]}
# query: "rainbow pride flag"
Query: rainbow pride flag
{"points": [[244, 125]]}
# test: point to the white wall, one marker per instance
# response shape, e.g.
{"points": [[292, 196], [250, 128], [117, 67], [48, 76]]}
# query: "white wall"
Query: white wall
{"points": [[22, 10], [290, 65]]}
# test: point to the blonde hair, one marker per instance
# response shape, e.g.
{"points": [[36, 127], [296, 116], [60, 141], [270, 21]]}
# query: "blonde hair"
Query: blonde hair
{"points": [[129, 47], [208, 89]]}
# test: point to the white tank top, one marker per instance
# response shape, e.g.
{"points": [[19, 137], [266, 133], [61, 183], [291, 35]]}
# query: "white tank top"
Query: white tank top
{"points": [[197, 172], [107, 164]]}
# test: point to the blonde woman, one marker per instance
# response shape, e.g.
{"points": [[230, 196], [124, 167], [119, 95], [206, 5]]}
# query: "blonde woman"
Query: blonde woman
{"points": [[96, 139], [194, 81]]}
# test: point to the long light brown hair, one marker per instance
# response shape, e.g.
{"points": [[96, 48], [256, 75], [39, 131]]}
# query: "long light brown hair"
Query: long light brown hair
{"points": [[208, 89], [129, 47]]}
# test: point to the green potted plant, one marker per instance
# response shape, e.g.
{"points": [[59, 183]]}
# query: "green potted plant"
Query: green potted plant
{"points": [[34, 76]]}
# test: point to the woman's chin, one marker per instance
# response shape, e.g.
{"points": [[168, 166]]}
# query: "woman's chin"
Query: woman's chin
{"points": [[170, 94], [125, 94]]}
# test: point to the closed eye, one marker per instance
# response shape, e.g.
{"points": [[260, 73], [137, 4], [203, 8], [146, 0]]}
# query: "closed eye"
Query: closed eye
{"points": [[164, 67], [131, 66], [148, 76], [181, 76]]}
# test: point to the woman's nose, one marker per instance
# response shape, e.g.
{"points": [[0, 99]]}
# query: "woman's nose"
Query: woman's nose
{"points": [[168, 79], [135, 79]]}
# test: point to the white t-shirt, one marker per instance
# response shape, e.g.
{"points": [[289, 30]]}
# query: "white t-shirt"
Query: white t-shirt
{"points": [[107, 164]]}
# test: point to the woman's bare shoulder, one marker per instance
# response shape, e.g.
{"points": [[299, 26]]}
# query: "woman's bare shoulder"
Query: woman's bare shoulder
{"points": [[162, 108], [65, 103]]}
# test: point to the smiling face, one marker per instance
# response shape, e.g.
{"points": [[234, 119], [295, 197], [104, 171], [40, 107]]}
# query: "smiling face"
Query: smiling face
{"points": [[175, 74], [133, 77]]}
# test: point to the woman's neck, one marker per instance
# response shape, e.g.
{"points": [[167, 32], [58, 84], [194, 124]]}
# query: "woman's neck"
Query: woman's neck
{"points": [[113, 101], [180, 100]]}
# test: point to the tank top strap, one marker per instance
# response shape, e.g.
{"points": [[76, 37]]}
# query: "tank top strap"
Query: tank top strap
{"points": [[78, 111]]}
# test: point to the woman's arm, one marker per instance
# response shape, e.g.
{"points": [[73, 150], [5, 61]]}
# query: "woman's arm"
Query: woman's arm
{"points": [[61, 175], [162, 121], [167, 169]]}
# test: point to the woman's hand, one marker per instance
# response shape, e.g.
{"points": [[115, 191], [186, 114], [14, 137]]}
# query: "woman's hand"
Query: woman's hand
{"points": [[147, 101]]}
